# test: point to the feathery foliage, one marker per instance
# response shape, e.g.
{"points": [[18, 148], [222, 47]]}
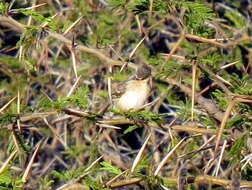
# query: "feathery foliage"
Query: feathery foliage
{"points": [[60, 63]]}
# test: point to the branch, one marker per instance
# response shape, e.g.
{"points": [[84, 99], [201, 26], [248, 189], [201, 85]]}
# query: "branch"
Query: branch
{"points": [[209, 105]]}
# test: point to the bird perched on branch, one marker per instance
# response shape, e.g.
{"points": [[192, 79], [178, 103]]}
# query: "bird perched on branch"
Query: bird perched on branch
{"points": [[137, 90]]}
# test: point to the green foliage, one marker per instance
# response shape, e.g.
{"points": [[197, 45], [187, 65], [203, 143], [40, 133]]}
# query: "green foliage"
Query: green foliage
{"points": [[45, 183], [153, 182], [30, 66], [140, 6], [75, 151], [28, 37], [198, 14], [117, 24], [58, 105], [235, 152], [79, 98], [114, 4], [190, 49], [94, 185], [74, 174], [158, 6], [164, 6], [188, 80], [68, 174], [105, 33], [156, 61], [5, 178], [23, 142], [35, 15], [143, 116], [9, 182], [237, 121], [171, 68], [33, 33], [221, 99], [64, 176], [43, 104], [206, 32], [4, 8], [106, 166], [130, 129], [168, 183], [83, 7], [184, 106], [8, 117], [38, 17], [11, 146], [118, 76], [93, 150], [207, 121], [144, 168], [193, 145], [236, 18], [213, 60], [242, 86], [185, 110]]}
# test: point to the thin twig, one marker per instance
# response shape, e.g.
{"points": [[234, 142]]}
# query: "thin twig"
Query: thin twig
{"points": [[138, 157], [162, 163], [29, 166], [7, 162], [204, 40], [220, 158], [194, 67], [7, 104], [223, 124]]}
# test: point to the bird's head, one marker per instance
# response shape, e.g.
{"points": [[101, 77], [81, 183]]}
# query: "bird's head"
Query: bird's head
{"points": [[143, 72]]}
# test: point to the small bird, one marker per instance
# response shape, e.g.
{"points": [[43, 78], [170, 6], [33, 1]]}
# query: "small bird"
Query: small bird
{"points": [[137, 90]]}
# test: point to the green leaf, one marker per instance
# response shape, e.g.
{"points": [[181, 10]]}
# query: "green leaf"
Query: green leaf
{"points": [[221, 98], [242, 86], [68, 174], [213, 60], [6, 178], [93, 184], [114, 4], [106, 166], [38, 17], [142, 116], [8, 117], [140, 6], [4, 8], [235, 152], [9, 181], [235, 121], [59, 105], [198, 13], [236, 17], [143, 165], [45, 183], [34, 14], [80, 97], [130, 129], [28, 37]]}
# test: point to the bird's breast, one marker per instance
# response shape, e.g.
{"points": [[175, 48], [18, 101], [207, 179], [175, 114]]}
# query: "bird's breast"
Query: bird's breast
{"points": [[134, 97]]}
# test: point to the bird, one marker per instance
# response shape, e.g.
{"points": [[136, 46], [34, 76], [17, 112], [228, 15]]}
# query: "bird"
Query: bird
{"points": [[137, 90]]}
